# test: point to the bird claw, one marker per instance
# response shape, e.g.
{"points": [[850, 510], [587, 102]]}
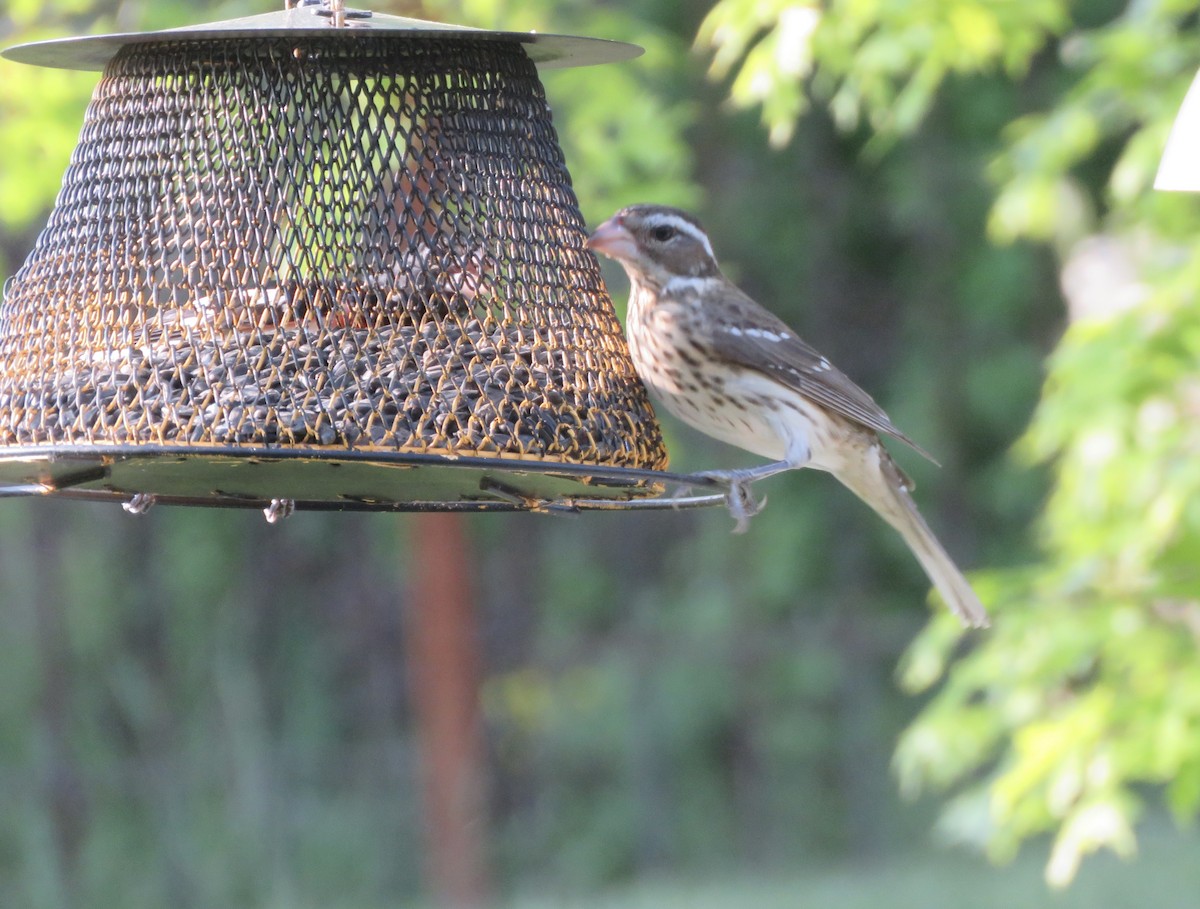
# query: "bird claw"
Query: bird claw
{"points": [[279, 509], [140, 503], [742, 505], [739, 499]]}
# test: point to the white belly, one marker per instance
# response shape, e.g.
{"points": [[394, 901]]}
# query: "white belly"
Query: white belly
{"points": [[729, 421], [736, 406]]}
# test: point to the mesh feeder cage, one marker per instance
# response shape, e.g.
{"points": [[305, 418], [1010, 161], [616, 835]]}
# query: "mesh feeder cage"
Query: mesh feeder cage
{"points": [[326, 257]]}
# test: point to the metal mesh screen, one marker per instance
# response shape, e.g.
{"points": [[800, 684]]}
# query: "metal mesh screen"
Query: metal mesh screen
{"points": [[366, 243]]}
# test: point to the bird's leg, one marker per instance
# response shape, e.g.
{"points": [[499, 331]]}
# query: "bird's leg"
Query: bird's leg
{"points": [[742, 475], [739, 499]]}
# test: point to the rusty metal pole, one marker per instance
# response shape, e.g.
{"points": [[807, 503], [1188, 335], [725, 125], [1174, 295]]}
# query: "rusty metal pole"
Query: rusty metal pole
{"points": [[445, 666]]}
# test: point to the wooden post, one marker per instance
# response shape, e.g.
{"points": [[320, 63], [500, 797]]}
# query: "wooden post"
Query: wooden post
{"points": [[443, 655]]}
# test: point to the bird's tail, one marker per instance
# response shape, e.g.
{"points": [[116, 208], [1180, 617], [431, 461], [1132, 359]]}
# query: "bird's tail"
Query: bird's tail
{"points": [[879, 482]]}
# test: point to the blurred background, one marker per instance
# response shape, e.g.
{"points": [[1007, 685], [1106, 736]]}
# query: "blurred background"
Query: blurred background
{"points": [[951, 198]]}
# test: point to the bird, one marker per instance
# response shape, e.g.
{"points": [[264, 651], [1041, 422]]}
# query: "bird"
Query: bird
{"points": [[727, 366]]}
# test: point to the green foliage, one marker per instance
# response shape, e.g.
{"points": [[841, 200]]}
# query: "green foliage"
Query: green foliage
{"points": [[882, 61], [43, 114], [660, 696], [1088, 688]]}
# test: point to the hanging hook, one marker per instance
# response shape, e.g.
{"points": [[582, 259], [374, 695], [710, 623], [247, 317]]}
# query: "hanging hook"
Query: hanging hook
{"points": [[338, 9], [335, 10]]}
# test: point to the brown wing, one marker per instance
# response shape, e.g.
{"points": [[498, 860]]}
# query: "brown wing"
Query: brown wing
{"points": [[746, 334]]}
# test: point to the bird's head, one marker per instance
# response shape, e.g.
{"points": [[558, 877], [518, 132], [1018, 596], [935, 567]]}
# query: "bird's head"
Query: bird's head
{"points": [[655, 244]]}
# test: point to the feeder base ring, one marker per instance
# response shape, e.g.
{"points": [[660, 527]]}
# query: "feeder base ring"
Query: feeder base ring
{"points": [[338, 480]]}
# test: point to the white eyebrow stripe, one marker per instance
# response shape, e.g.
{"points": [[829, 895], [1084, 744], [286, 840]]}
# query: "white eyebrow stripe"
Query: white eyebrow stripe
{"points": [[662, 219]]}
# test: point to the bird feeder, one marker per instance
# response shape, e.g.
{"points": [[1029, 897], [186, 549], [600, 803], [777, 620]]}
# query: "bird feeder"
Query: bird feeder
{"points": [[327, 257]]}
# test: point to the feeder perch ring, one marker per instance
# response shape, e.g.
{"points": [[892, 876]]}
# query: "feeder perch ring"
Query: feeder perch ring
{"points": [[345, 481]]}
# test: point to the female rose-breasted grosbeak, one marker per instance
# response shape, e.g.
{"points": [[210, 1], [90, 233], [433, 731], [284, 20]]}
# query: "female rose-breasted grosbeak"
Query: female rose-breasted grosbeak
{"points": [[728, 367]]}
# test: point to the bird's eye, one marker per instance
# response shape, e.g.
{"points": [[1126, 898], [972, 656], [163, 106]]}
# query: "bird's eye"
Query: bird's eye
{"points": [[663, 233]]}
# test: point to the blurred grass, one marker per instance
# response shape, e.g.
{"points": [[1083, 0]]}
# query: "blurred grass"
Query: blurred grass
{"points": [[1166, 875]]}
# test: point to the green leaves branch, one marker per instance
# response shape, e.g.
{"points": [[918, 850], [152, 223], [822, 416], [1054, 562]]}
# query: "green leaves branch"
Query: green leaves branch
{"points": [[1088, 687], [872, 61]]}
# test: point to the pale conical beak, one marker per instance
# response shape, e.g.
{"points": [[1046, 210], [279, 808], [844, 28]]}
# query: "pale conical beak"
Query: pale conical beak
{"points": [[613, 240]]}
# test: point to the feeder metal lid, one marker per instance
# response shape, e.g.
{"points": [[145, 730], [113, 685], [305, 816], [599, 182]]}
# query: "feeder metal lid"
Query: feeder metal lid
{"points": [[93, 52]]}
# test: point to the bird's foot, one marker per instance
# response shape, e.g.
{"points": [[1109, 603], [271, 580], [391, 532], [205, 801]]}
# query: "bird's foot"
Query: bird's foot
{"points": [[279, 509], [740, 498], [742, 505], [140, 503]]}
